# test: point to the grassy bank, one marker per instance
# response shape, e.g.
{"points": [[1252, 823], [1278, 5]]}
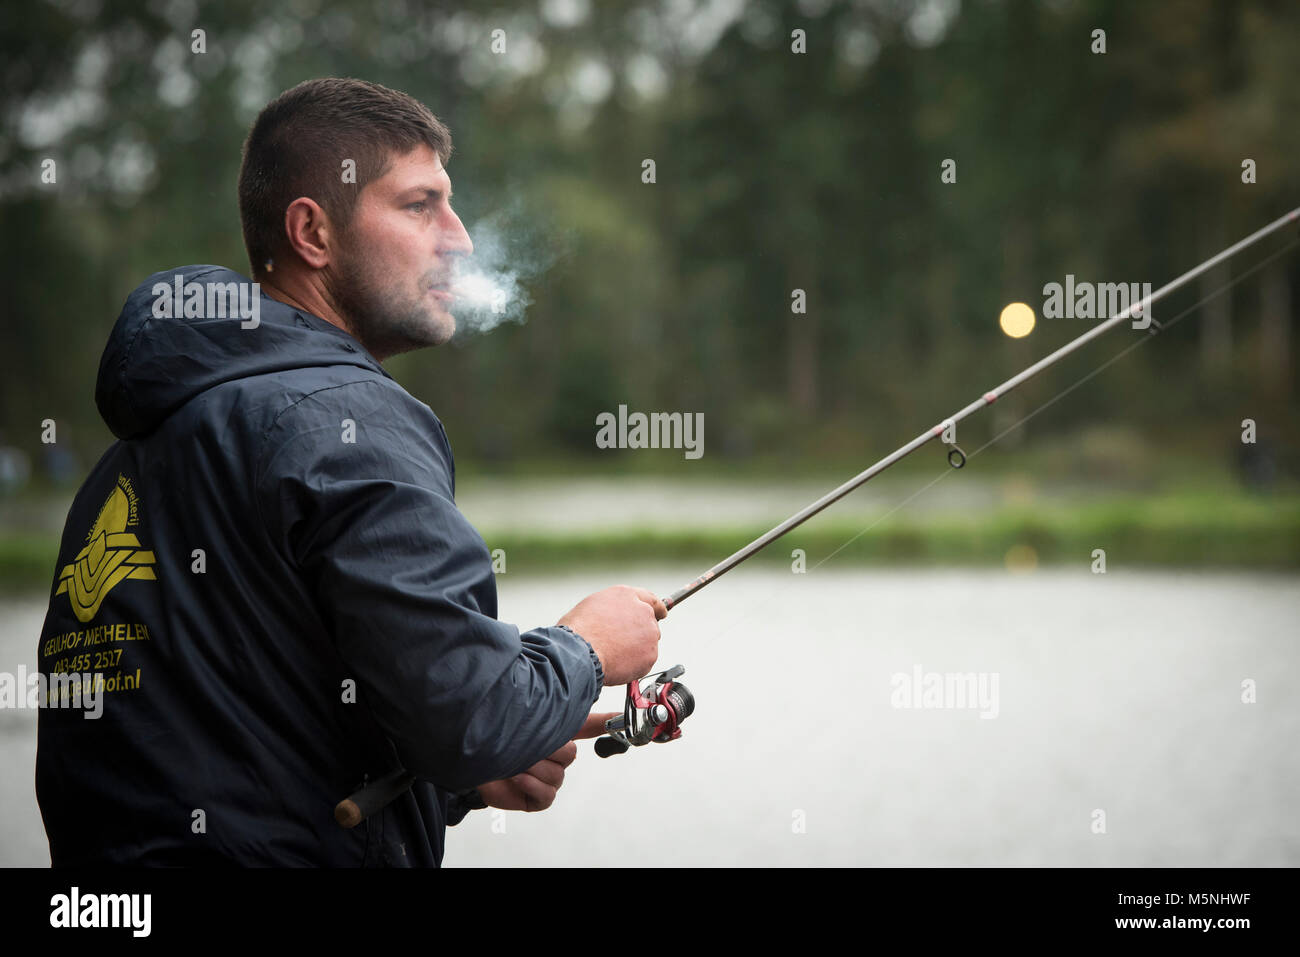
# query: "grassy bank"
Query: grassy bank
{"points": [[1175, 530], [27, 561], [1179, 532]]}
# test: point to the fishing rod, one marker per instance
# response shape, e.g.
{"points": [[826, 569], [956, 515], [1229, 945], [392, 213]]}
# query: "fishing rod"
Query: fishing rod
{"points": [[655, 706], [956, 457]]}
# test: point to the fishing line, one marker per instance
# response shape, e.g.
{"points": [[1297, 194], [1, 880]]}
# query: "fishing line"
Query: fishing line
{"points": [[956, 457], [1152, 333]]}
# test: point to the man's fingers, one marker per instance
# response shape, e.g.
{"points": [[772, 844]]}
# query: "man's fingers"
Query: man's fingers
{"points": [[594, 726], [548, 772], [538, 795], [654, 601], [565, 755]]}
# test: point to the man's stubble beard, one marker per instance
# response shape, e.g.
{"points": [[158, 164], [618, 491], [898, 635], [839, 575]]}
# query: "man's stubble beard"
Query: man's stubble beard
{"points": [[383, 318]]}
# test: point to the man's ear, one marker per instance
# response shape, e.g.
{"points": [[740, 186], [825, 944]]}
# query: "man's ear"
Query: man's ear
{"points": [[309, 233]]}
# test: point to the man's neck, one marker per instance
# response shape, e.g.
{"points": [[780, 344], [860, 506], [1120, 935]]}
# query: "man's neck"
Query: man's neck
{"points": [[305, 297]]}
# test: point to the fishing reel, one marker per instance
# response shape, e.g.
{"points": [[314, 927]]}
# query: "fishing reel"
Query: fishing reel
{"points": [[654, 709]]}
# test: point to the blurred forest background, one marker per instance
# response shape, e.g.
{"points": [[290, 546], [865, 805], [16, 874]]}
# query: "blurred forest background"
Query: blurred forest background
{"points": [[775, 170]]}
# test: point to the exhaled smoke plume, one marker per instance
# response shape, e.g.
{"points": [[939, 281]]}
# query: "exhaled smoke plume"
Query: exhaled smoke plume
{"points": [[508, 251]]}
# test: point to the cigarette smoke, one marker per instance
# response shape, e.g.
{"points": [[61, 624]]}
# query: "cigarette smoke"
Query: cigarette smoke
{"points": [[489, 285]]}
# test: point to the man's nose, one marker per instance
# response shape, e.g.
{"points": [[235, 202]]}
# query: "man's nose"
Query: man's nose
{"points": [[455, 239]]}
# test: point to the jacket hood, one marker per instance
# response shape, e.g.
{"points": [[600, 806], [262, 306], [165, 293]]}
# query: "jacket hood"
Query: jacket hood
{"points": [[185, 330]]}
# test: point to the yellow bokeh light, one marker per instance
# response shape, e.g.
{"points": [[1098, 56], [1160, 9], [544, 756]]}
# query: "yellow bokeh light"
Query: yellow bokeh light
{"points": [[1017, 320]]}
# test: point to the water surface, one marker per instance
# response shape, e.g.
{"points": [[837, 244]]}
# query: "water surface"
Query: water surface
{"points": [[1120, 693]]}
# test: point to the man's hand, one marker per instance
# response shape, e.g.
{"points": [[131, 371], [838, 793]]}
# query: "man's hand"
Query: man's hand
{"points": [[535, 789], [622, 626]]}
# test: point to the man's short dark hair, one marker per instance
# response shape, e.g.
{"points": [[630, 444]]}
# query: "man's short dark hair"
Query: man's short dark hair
{"points": [[298, 145]]}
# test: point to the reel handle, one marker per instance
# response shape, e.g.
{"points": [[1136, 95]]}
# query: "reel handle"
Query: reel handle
{"points": [[608, 746]]}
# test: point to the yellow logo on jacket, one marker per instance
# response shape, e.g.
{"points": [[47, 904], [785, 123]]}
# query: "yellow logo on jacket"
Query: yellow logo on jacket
{"points": [[111, 555]]}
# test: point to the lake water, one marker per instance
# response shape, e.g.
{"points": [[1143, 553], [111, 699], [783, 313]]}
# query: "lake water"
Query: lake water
{"points": [[1118, 735]]}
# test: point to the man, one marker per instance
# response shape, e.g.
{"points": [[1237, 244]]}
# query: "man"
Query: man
{"points": [[265, 587]]}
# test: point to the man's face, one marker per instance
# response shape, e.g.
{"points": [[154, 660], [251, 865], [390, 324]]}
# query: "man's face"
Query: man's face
{"points": [[394, 264]]}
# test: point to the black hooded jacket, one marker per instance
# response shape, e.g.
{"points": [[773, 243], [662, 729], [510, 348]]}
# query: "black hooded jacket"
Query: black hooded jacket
{"points": [[271, 596]]}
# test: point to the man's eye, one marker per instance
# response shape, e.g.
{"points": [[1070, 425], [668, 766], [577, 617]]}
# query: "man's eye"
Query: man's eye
{"points": [[419, 207]]}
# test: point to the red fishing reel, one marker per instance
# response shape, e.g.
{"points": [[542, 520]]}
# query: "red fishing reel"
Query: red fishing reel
{"points": [[654, 709]]}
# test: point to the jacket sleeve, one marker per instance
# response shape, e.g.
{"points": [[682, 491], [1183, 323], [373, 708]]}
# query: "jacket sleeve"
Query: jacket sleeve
{"points": [[356, 484]]}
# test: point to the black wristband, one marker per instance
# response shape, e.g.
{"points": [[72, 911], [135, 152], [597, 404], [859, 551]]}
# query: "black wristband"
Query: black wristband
{"points": [[471, 799]]}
